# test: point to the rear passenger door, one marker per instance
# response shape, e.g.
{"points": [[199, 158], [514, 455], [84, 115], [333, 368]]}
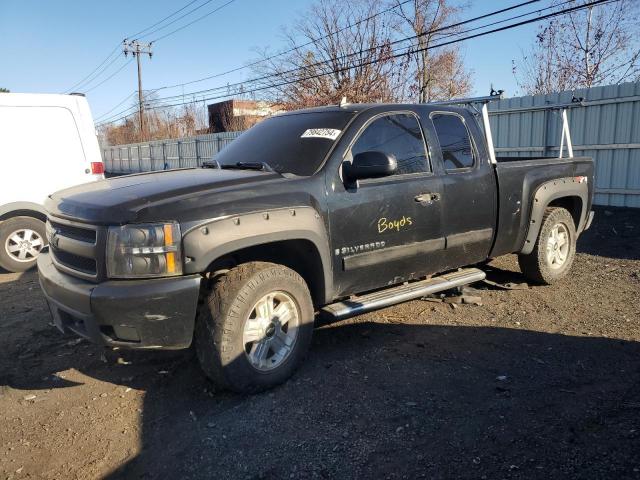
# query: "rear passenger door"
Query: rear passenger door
{"points": [[381, 232], [469, 189]]}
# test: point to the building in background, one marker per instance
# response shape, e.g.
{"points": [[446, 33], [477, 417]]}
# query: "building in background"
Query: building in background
{"points": [[236, 115]]}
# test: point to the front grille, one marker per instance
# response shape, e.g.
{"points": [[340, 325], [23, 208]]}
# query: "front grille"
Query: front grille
{"points": [[77, 248], [77, 233], [75, 262]]}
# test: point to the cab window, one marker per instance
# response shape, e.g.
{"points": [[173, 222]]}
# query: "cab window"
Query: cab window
{"points": [[455, 142], [399, 135]]}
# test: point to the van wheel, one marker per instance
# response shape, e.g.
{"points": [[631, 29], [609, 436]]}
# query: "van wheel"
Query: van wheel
{"points": [[255, 327], [555, 248], [21, 240]]}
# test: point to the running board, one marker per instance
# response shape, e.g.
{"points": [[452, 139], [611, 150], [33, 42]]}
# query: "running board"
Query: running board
{"points": [[402, 293]]}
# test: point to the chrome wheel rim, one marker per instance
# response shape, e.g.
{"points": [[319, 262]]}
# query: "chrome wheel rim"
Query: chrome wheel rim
{"points": [[24, 245], [558, 246], [270, 331]]}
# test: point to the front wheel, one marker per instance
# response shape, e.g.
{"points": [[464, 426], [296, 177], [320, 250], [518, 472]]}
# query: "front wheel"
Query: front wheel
{"points": [[255, 327], [555, 248], [21, 241]]}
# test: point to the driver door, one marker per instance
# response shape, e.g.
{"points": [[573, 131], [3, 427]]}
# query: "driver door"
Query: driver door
{"points": [[387, 230]]}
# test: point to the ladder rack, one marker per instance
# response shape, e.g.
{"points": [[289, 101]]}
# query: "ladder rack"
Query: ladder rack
{"points": [[484, 112]]}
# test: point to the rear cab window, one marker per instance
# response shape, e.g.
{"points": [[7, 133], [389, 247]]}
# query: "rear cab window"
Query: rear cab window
{"points": [[458, 152], [399, 135]]}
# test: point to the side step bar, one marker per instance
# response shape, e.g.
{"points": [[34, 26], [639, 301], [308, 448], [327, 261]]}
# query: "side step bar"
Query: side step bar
{"points": [[402, 293]]}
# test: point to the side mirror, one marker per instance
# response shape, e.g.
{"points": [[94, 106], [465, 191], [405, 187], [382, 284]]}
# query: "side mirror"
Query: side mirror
{"points": [[369, 165]]}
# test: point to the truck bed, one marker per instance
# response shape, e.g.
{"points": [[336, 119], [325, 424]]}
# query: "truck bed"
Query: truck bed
{"points": [[518, 179], [506, 159]]}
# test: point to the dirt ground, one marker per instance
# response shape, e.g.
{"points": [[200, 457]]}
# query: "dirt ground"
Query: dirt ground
{"points": [[535, 383]]}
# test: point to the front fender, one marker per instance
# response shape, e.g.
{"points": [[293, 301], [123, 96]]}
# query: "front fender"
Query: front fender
{"points": [[212, 239]]}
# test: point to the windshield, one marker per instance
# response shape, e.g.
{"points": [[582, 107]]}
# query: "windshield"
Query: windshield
{"points": [[295, 143]]}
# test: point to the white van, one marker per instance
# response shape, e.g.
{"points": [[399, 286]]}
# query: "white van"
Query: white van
{"points": [[47, 143]]}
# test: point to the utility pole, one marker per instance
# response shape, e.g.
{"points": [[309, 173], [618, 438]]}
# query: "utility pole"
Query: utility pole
{"points": [[136, 48]]}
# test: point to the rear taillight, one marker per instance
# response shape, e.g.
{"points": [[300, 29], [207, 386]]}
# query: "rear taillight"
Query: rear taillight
{"points": [[97, 168]]}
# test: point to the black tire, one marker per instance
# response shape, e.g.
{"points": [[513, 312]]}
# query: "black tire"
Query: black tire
{"points": [[536, 266], [9, 260], [219, 342]]}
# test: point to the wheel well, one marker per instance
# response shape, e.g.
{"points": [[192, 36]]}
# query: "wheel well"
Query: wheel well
{"points": [[572, 204], [24, 213], [301, 256]]}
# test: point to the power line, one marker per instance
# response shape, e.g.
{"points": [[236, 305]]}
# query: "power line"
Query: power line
{"points": [[119, 116], [281, 74], [135, 35], [174, 20], [296, 47], [94, 70], [109, 77], [395, 42], [410, 50], [94, 75], [97, 75], [113, 108], [259, 61], [191, 23], [293, 49]]}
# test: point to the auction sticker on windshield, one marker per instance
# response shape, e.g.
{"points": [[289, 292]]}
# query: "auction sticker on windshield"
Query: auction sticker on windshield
{"points": [[330, 133]]}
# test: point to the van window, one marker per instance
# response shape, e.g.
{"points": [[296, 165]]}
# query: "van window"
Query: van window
{"points": [[399, 135], [455, 142]]}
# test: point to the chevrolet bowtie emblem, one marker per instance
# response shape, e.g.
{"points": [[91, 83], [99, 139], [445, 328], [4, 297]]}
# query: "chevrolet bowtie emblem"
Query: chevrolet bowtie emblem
{"points": [[54, 238]]}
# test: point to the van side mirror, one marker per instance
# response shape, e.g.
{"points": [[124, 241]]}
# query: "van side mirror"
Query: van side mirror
{"points": [[370, 165]]}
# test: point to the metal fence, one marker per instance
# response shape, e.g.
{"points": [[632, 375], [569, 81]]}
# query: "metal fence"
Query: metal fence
{"points": [[164, 154], [606, 126]]}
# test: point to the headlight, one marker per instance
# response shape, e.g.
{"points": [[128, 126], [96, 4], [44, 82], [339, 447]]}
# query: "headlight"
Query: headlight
{"points": [[144, 250]]}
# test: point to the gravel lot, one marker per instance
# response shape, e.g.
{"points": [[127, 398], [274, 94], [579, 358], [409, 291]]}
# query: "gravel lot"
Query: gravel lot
{"points": [[536, 383]]}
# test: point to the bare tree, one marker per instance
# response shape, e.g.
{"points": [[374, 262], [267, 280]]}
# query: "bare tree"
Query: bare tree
{"points": [[160, 123], [348, 55], [598, 45], [438, 73]]}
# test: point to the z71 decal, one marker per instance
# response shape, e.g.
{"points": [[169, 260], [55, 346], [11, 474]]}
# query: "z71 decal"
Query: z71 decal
{"points": [[397, 225]]}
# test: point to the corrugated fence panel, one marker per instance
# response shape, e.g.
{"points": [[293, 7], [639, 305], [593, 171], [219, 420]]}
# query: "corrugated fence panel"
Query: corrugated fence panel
{"points": [[606, 127], [165, 154]]}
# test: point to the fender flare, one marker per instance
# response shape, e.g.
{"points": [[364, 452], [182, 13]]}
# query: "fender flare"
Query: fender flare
{"points": [[204, 242], [547, 193], [21, 206]]}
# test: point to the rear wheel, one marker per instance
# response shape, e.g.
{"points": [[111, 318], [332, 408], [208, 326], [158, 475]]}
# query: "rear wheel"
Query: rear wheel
{"points": [[555, 248], [255, 327], [21, 241]]}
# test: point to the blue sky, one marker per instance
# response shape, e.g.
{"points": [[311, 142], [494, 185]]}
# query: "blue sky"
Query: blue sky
{"points": [[50, 45]]}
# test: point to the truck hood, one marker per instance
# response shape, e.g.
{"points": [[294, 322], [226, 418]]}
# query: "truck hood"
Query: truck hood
{"points": [[152, 196]]}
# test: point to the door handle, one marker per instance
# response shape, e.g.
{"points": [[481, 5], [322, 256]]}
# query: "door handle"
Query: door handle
{"points": [[427, 198]]}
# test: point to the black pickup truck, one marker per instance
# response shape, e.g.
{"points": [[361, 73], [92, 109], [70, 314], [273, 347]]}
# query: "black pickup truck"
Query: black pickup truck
{"points": [[329, 211]]}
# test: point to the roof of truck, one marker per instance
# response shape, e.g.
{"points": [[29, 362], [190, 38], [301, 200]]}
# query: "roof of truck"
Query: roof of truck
{"points": [[361, 107]]}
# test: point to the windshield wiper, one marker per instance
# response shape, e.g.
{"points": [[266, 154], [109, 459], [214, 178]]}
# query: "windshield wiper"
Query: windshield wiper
{"points": [[211, 164], [262, 166], [249, 166]]}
